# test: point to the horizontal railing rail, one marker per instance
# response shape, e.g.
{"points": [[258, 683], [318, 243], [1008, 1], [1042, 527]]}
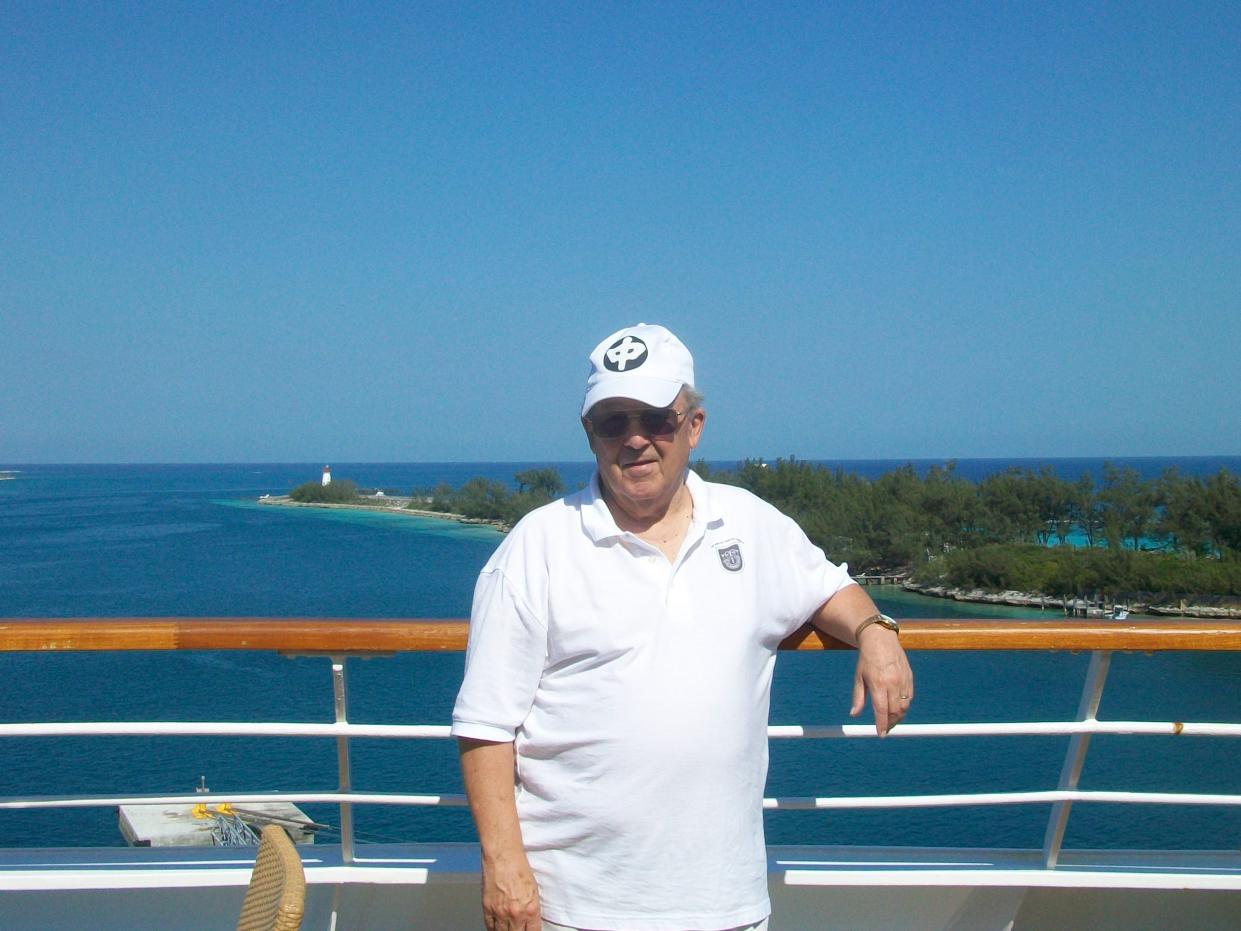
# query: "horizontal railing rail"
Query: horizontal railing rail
{"points": [[774, 731], [338, 638], [958, 800], [351, 635]]}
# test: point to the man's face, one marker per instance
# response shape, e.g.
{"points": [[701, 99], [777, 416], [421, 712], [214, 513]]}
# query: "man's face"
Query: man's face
{"points": [[641, 469]]}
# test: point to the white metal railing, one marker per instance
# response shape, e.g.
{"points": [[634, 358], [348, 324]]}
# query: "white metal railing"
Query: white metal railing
{"points": [[1061, 798], [775, 731]]}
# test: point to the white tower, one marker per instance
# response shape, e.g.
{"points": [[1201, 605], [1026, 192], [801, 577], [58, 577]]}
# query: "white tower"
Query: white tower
{"points": [[327, 475]]}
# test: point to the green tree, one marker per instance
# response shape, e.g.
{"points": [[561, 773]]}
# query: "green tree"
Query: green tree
{"points": [[1084, 509], [483, 499], [1183, 519], [896, 528], [949, 504], [1011, 507], [1128, 506], [339, 491], [1053, 497], [545, 482], [1223, 510]]}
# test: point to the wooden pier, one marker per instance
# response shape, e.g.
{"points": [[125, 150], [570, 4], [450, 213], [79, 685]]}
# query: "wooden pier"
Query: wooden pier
{"points": [[893, 578]]}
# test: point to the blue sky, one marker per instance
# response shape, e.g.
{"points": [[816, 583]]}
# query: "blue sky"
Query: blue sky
{"points": [[391, 232]]}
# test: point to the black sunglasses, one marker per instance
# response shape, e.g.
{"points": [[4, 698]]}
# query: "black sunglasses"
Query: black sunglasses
{"points": [[652, 421]]}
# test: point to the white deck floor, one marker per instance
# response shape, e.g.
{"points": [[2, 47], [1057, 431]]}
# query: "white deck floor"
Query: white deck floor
{"points": [[436, 887]]}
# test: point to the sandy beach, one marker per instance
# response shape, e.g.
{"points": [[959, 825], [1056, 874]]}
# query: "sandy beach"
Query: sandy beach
{"points": [[389, 504]]}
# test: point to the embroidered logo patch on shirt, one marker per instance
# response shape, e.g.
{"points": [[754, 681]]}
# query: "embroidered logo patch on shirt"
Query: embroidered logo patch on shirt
{"points": [[730, 555]]}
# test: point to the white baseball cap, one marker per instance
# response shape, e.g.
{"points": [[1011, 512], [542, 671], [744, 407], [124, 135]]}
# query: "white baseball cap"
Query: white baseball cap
{"points": [[644, 362]]}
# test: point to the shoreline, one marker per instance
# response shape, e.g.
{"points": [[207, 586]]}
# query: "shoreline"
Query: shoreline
{"points": [[397, 505], [1074, 607]]}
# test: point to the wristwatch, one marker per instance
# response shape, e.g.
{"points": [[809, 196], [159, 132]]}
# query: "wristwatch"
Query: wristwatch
{"points": [[882, 620]]}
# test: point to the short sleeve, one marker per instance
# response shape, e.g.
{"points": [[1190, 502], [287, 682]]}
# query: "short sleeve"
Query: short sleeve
{"points": [[811, 578], [504, 660]]}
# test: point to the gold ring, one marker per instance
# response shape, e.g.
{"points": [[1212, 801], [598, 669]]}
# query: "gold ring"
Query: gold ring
{"points": [[904, 697]]}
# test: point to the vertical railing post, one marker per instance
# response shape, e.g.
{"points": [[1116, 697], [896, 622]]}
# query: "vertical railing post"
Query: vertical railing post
{"points": [[344, 780], [1071, 771]]}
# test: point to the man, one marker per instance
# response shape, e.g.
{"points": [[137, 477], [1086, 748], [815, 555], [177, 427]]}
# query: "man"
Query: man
{"points": [[612, 721]]}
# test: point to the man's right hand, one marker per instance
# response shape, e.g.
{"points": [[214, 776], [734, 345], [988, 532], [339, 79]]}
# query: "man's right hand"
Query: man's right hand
{"points": [[510, 892], [510, 897]]}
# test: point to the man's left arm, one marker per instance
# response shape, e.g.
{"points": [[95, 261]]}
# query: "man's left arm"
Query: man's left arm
{"points": [[882, 668]]}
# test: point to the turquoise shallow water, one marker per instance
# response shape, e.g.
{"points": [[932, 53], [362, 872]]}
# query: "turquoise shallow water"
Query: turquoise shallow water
{"points": [[190, 540]]}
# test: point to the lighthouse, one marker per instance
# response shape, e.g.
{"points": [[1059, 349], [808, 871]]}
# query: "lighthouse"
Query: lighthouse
{"points": [[327, 475]]}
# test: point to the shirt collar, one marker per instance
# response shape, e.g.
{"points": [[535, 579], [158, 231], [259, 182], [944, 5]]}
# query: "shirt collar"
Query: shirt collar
{"points": [[600, 526]]}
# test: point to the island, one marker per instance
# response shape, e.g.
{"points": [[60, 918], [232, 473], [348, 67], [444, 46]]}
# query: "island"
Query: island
{"points": [[478, 501], [1024, 537]]}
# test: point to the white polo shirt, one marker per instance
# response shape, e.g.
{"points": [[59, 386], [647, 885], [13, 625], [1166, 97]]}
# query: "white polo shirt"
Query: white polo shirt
{"points": [[637, 691]]}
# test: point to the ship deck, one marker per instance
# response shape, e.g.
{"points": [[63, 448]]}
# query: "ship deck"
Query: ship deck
{"points": [[380, 886]]}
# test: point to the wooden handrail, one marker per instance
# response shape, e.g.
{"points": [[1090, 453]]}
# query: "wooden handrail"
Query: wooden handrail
{"points": [[373, 635]]}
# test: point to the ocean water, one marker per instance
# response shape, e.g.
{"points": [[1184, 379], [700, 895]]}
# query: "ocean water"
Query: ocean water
{"points": [[190, 540]]}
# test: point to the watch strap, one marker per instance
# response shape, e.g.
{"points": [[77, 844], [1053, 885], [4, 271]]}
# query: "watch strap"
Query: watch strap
{"points": [[881, 619]]}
